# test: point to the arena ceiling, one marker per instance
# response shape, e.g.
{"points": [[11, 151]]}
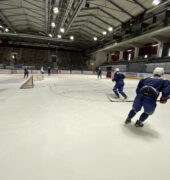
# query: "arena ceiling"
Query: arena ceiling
{"points": [[36, 22]]}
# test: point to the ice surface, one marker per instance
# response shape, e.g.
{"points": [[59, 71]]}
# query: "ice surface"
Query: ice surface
{"points": [[66, 129]]}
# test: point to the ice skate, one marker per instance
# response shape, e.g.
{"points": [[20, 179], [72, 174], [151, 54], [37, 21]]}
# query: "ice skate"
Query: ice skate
{"points": [[139, 124], [128, 120], [125, 97]]}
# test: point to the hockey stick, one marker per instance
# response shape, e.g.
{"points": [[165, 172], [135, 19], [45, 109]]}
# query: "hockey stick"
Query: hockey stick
{"points": [[125, 100], [114, 100], [120, 100]]}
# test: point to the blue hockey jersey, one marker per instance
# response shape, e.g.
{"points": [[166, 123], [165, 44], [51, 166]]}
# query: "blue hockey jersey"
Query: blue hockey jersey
{"points": [[99, 72], [152, 86], [118, 77], [166, 92]]}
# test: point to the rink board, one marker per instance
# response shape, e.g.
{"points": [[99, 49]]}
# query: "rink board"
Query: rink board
{"points": [[129, 75]]}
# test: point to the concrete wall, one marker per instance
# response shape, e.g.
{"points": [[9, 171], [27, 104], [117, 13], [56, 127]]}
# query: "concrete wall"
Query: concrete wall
{"points": [[100, 58]]}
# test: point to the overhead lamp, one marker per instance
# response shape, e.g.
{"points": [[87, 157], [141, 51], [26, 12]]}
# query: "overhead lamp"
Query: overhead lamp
{"points": [[156, 2], [6, 30], [53, 24], [59, 36], [104, 32], [71, 37], [154, 45], [62, 30], [13, 57], [50, 35], [95, 38], [55, 10], [110, 29], [1, 26], [145, 56]]}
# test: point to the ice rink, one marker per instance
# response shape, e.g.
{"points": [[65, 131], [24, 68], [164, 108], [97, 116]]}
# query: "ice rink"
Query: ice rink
{"points": [[66, 129]]}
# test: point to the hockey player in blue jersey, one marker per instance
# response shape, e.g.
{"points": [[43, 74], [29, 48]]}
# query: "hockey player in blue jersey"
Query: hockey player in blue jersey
{"points": [[99, 73], [147, 92], [26, 72], [166, 93], [118, 88]]}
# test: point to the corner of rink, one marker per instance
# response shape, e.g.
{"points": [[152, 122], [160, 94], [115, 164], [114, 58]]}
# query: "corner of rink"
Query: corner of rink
{"points": [[28, 83]]}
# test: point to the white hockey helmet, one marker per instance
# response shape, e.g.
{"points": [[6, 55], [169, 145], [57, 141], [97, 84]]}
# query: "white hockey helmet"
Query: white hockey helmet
{"points": [[158, 71], [117, 69]]}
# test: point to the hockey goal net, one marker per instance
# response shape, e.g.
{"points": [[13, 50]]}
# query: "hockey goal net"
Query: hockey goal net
{"points": [[28, 83], [37, 76]]}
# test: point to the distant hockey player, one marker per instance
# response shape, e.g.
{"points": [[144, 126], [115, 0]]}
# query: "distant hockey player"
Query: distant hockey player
{"points": [[99, 73], [26, 72], [49, 71], [119, 79], [147, 92], [42, 70]]}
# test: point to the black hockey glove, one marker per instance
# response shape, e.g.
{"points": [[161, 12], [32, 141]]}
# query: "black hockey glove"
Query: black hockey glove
{"points": [[163, 100]]}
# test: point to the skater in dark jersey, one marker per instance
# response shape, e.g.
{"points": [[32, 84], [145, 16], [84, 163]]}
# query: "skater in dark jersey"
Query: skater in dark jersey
{"points": [[26, 72], [49, 71], [99, 73], [118, 88], [147, 92]]}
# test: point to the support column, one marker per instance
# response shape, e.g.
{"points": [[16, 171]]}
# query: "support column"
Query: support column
{"points": [[136, 53], [160, 49], [101, 57], [9, 57], [120, 55], [110, 58]]}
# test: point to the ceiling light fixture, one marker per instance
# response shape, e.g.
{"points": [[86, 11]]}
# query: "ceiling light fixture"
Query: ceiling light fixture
{"points": [[53, 24], [154, 45], [59, 36], [55, 9], [62, 30], [6, 30], [71, 37], [95, 38], [50, 35], [104, 32], [145, 56], [110, 29], [156, 2]]}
